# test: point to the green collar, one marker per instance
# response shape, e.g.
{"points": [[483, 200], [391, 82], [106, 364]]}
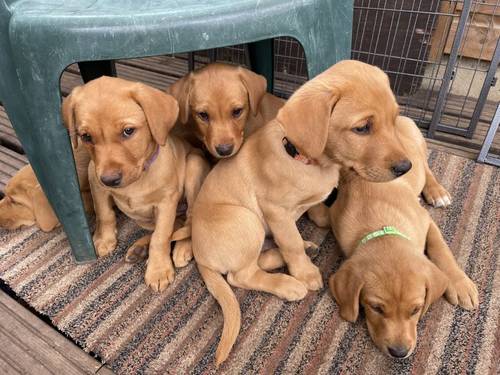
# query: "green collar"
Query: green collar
{"points": [[385, 231]]}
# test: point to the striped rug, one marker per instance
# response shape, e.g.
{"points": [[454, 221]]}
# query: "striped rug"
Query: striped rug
{"points": [[106, 308]]}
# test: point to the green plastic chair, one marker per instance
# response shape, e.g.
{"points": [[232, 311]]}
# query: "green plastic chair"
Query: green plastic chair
{"points": [[39, 39]]}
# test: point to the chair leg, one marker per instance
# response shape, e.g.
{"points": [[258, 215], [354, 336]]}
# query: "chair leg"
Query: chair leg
{"points": [[262, 60], [48, 148], [94, 69], [329, 39]]}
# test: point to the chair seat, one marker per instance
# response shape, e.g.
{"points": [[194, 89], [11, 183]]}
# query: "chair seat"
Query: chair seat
{"points": [[82, 30], [162, 10]]}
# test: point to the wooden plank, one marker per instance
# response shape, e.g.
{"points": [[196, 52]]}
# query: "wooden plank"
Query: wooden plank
{"points": [[481, 38], [36, 348]]}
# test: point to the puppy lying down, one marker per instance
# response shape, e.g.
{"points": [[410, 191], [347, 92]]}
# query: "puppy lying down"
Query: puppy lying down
{"points": [[383, 231], [25, 202]]}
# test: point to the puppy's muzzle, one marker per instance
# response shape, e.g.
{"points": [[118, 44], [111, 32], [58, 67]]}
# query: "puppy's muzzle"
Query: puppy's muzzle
{"points": [[401, 167], [224, 149], [112, 179]]}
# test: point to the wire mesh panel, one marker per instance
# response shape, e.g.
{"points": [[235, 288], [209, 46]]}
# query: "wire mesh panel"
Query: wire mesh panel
{"points": [[439, 55]]}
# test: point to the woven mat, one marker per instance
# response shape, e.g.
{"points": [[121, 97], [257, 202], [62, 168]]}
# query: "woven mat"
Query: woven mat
{"points": [[107, 309]]}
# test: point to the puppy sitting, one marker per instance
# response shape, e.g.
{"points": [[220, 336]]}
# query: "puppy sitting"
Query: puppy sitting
{"points": [[25, 202], [283, 169], [135, 165], [220, 104], [387, 271]]}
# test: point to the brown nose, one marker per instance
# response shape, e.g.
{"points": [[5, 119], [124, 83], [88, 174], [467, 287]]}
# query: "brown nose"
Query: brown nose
{"points": [[112, 179], [224, 149], [401, 167], [398, 351]]}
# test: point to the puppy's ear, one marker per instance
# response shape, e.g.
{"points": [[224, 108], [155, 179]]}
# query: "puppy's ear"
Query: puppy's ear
{"points": [[435, 284], [306, 118], [346, 285], [161, 110], [68, 115], [181, 90], [45, 217], [256, 86]]}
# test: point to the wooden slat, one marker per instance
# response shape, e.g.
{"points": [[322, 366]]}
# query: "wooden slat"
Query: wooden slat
{"points": [[10, 163], [30, 346]]}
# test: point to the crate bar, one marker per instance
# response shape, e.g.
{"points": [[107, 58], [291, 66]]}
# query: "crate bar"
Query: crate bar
{"points": [[488, 80], [484, 156], [449, 68]]}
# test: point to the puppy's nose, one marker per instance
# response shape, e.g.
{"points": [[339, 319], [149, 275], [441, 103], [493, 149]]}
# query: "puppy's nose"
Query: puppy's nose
{"points": [[398, 351], [112, 179], [401, 167], [224, 149]]}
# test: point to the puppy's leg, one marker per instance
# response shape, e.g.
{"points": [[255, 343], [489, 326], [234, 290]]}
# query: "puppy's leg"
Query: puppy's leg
{"points": [[461, 290], [272, 258], [138, 250], [434, 193], [292, 248], [160, 270], [279, 284], [319, 215], [105, 233], [197, 169]]}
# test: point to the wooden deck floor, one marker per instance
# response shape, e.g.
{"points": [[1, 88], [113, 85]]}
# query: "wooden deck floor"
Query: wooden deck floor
{"points": [[30, 346], [27, 344]]}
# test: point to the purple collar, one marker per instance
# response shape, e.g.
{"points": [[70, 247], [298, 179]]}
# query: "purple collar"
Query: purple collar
{"points": [[152, 158]]}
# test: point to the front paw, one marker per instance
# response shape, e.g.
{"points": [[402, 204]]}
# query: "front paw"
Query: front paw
{"points": [[436, 195], [183, 253], [104, 245], [159, 275], [463, 292], [307, 273]]}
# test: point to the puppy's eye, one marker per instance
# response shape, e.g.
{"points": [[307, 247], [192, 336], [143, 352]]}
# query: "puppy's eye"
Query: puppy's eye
{"points": [[378, 309], [237, 112], [203, 116], [127, 132], [362, 130], [86, 138], [415, 311]]}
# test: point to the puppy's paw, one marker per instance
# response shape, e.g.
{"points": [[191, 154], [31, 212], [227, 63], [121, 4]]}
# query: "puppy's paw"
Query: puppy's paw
{"points": [[136, 253], [104, 245], [159, 276], [291, 290], [183, 253], [309, 275], [436, 195], [138, 250], [310, 245], [463, 292]]}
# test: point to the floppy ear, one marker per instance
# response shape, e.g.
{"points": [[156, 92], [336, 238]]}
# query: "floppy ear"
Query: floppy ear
{"points": [[346, 285], [181, 90], [435, 284], [45, 217], [306, 117], [68, 115], [161, 110], [256, 86]]}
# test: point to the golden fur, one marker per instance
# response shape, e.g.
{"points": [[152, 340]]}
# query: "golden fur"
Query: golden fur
{"points": [[234, 100], [144, 173], [390, 276], [25, 202], [263, 190]]}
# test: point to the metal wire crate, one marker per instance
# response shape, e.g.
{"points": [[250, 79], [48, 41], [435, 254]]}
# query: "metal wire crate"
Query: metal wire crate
{"points": [[425, 48]]}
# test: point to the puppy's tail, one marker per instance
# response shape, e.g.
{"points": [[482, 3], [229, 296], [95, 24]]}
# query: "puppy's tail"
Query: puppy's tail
{"points": [[224, 295]]}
